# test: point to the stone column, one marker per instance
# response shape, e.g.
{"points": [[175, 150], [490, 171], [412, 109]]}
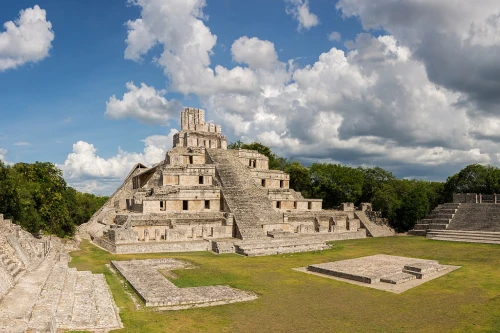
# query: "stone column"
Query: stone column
{"points": [[157, 235], [146, 235]]}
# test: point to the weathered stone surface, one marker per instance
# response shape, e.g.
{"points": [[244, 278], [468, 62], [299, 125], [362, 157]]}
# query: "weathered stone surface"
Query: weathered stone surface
{"points": [[156, 290], [379, 271], [204, 192], [48, 296]]}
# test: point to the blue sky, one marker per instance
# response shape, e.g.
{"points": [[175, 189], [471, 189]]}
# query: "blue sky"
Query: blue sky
{"points": [[410, 86]]}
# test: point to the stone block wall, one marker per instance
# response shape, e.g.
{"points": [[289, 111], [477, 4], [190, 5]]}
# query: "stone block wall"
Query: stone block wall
{"points": [[253, 159], [465, 198]]}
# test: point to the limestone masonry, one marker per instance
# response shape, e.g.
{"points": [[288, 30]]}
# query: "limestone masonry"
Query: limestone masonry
{"points": [[471, 217], [390, 273], [155, 290], [39, 293], [203, 196]]}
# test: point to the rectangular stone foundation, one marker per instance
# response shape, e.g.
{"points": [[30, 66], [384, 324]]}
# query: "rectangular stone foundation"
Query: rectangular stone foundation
{"points": [[155, 290], [385, 272], [152, 247]]}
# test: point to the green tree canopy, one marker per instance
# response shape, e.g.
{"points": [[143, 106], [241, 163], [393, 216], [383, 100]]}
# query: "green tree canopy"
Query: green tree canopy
{"points": [[37, 197]]}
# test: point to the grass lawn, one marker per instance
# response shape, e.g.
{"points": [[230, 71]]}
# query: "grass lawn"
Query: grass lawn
{"points": [[465, 300]]}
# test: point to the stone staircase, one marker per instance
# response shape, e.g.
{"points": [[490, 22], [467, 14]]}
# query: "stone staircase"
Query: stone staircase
{"points": [[465, 236], [476, 217], [248, 201], [13, 267], [373, 229], [438, 219], [280, 245], [54, 297]]}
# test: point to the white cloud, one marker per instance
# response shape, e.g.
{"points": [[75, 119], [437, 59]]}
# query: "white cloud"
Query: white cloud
{"points": [[28, 39], [334, 36], [144, 103], [374, 104], [22, 143], [254, 52], [85, 170], [458, 41], [3, 152], [299, 9]]}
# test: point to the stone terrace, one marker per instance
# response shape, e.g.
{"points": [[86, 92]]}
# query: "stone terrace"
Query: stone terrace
{"points": [[379, 270], [47, 296], [156, 290]]}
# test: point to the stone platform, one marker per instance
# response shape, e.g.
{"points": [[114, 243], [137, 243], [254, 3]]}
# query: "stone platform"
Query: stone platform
{"points": [[385, 272], [155, 290]]}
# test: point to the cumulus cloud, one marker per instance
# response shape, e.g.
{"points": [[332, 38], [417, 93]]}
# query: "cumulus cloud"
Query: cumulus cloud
{"points": [[299, 10], [458, 41], [143, 103], [254, 52], [376, 103], [85, 170], [334, 36], [27, 39]]}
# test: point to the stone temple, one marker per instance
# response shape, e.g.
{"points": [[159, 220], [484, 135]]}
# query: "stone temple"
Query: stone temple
{"points": [[203, 196]]}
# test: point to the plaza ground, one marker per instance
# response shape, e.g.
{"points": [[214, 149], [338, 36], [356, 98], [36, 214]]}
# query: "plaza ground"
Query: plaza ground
{"points": [[466, 300]]}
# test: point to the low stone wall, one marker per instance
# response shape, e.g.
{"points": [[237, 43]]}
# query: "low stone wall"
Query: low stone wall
{"points": [[153, 247], [155, 290]]}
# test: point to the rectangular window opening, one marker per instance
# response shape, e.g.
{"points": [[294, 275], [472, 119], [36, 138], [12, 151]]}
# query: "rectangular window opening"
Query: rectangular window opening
{"points": [[162, 205], [207, 204], [190, 159], [184, 205], [278, 204], [281, 184], [200, 180], [309, 205], [264, 182], [295, 204]]}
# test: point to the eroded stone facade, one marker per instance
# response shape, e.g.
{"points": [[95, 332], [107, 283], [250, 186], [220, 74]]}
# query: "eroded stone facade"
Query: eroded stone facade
{"points": [[204, 192]]}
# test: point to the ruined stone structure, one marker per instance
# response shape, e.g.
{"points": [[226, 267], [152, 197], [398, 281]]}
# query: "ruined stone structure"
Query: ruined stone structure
{"points": [[39, 293], [470, 218], [206, 197], [390, 273], [155, 290]]}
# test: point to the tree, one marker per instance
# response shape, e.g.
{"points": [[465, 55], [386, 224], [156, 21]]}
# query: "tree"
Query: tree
{"points": [[300, 178], [474, 178], [414, 207], [335, 183], [373, 179]]}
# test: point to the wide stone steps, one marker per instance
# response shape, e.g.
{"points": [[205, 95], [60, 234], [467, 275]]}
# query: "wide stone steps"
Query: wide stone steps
{"points": [[54, 297], [373, 229], [278, 246], [465, 236], [478, 217], [42, 314], [248, 202], [439, 219]]}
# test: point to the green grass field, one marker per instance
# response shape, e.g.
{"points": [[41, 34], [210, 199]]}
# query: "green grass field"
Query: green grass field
{"points": [[465, 300]]}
